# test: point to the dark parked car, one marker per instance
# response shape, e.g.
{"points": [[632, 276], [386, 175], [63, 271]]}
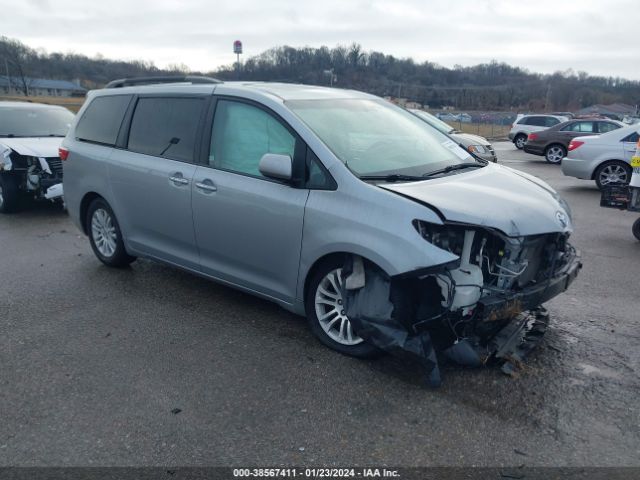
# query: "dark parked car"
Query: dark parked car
{"points": [[553, 142]]}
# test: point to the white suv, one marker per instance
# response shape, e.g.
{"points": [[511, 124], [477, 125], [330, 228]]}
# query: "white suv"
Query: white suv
{"points": [[527, 124]]}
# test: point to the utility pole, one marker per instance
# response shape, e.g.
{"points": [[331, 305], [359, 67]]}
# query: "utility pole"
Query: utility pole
{"points": [[547, 99], [331, 76]]}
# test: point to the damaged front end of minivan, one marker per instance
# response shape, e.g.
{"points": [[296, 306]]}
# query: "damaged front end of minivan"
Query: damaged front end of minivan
{"points": [[484, 307]]}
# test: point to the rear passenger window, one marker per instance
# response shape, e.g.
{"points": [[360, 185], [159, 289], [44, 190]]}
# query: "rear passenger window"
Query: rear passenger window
{"points": [[550, 121], [100, 122], [166, 127], [536, 121], [242, 134]]}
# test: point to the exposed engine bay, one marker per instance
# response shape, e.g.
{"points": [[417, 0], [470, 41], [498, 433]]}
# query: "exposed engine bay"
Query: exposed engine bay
{"points": [[485, 306]]}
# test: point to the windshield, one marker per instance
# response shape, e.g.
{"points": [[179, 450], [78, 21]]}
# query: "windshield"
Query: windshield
{"points": [[34, 122], [434, 121], [374, 137]]}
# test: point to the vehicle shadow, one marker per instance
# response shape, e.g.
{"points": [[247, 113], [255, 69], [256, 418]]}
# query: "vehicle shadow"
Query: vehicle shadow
{"points": [[30, 208]]}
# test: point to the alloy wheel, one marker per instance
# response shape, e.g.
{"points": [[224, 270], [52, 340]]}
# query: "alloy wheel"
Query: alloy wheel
{"points": [[613, 174], [330, 310], [520, 141], [103, 232], [555, 154]]}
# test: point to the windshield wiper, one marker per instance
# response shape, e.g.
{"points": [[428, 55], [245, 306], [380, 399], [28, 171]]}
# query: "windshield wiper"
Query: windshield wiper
{"points": [[451, 168], [394, 177]]}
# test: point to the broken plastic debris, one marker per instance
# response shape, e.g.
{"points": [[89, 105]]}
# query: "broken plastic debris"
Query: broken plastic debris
{"points": [[53, 192], [398, 316], [384, 324]]}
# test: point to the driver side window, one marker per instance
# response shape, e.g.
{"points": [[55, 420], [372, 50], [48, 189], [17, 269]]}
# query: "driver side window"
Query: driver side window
{"points": [[242, 134]]}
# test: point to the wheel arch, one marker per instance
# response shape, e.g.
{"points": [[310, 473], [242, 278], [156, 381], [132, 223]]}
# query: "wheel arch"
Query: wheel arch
{"points": [[600, 164], [555, 144], [84, 207], [329, 257]]}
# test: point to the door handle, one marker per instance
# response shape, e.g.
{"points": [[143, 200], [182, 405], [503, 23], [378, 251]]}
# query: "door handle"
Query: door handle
{"points": [[206, 186], [179, 180]]}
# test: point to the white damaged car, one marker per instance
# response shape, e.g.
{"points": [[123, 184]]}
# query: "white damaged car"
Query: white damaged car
{"points": [[30, 135]]}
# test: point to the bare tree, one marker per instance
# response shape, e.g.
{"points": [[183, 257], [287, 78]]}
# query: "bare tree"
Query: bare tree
{"points": [[16, 56]]}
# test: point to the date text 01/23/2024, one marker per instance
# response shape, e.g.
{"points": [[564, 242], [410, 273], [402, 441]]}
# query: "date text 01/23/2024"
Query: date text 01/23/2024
{"points": [[315, 472]]}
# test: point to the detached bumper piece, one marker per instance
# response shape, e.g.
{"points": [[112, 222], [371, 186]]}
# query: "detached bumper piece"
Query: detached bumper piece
{"points": [[404, 317], [514, 342], [54, 192]]}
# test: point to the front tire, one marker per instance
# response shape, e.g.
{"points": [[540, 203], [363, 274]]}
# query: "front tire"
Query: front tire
{"points": [[520, 140], [614, 172], [105, 235], [554, 154], [325, 313], [636, 229], [9, 193]]}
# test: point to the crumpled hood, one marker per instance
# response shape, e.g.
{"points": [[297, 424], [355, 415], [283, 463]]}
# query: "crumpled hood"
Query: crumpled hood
{"points": [[33, 146], [493, 196]]}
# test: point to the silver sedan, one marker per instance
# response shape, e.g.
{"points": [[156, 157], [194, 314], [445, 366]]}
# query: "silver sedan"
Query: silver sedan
{"points": [[604, 158]]}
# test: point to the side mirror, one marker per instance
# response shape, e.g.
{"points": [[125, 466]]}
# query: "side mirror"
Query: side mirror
{"points": [[275, 165]]}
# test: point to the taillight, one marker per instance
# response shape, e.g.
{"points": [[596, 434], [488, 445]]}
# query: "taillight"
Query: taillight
{"points": [[532, 136], [63, 153], [573, 144]]}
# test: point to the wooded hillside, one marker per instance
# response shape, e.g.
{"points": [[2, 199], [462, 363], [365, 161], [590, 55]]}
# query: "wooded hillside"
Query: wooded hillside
{"points": [[492, 86]]}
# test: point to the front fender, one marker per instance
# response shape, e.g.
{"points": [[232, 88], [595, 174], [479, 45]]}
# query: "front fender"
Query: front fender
{"points": [[371, 222]]}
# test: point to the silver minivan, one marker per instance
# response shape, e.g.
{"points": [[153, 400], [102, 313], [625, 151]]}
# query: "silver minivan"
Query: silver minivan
{"points": [[334, 204]]}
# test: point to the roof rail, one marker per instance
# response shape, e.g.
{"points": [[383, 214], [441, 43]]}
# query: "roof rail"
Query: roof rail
{"points": [[128, 82]]}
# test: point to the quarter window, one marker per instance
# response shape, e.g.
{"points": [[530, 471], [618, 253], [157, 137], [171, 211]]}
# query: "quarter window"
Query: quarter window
{"points": [[242, 134], [166, 127], [633, 138], [317, 176], [100, 122], [604, 127], [582, 127]]}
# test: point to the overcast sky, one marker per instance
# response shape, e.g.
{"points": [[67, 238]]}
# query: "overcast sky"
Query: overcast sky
{"points": [[598, 36]]}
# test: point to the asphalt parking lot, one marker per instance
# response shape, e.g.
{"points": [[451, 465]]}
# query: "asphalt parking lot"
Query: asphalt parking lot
{"points": [[154, 366]]}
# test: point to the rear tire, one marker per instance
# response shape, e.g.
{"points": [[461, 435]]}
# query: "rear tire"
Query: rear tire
{"points": [[105, 235], [323, 304], [555, 153], [636, 229], [520, 140], [9, 193], [613, 172]]}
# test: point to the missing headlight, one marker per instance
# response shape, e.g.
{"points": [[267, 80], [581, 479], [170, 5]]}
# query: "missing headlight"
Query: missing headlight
{"points": [[446, 237]]}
